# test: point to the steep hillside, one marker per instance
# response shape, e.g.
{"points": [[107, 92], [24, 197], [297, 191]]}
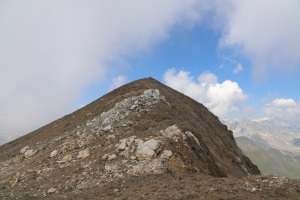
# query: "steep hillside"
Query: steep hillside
{"points": [[270, 160], [267, 133], [141, 128]]}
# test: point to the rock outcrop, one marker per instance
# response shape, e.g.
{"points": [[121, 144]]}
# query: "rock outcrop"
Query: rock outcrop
{"points": [[141, 128]]}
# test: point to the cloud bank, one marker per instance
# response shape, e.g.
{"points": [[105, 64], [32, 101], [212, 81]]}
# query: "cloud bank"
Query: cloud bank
{"points": [[265, 31], [283, 109], [223, 99], [50, 50]]}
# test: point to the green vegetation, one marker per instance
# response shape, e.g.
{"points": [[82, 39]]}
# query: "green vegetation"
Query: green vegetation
{"points": [[270, 161]]}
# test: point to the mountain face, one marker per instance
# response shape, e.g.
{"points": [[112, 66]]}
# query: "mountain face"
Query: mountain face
{"points": [[267, 133], [270, 160], [143, 127], [270, 144]]}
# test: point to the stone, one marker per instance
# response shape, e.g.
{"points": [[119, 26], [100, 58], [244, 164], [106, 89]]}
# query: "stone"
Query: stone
{"points": [[104, 157], [166, 154], [112, 157], [24, 149], [152, 93], [111, 136], [174, 133], [107, 128], [138, 141], [107, 167], [110, 167], [51, 190], [67, 158], [29, 153], [144, 152], [154, 165], [83, 154], [133, 107], [238, 159], [152, 144], [16, 179], [53, 153], [190, 134], [122, 145], [132, 157]]}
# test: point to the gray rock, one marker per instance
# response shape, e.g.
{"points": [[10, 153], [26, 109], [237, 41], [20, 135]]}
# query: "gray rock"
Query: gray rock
{"points": [[152, 144], [112, 157], [107, 128], [122, 145], [83, 154], [24, 149], [51, 190], [174, 133], [190, 134], [144, 152], [66, 158], [29, 153], [166, 154], [53, 153]]}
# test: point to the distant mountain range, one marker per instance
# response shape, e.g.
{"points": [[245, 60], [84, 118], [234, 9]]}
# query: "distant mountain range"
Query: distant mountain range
{"points": [[273, 145]]}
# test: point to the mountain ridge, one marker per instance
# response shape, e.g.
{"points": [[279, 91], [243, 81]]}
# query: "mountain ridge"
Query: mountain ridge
{"points": [[143, 129]]}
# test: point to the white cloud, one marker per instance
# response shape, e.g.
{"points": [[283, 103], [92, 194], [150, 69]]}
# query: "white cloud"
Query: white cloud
{"points": [[222, 99], [265, 31], [238, 69], [284, 109], [117, 82], [50, 50]]}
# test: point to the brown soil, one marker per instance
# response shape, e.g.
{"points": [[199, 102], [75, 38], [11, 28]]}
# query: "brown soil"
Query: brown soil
{"points": [[184, 186]]}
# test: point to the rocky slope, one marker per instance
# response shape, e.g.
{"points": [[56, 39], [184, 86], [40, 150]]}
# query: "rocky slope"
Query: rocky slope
{"points": [[142, 128]]}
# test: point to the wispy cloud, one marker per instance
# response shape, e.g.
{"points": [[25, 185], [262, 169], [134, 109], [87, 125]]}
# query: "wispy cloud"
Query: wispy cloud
{"points": [[284, 109], [270, 37], [117, 82], [238, 69]]}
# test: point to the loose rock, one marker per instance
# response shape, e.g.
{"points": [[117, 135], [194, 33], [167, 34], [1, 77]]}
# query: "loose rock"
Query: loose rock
{"points": [[24, 149], [83, 154], [53, 153]]}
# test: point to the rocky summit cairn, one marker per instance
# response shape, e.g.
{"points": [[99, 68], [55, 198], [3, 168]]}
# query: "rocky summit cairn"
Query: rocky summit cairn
{"points": [[140, 129]]}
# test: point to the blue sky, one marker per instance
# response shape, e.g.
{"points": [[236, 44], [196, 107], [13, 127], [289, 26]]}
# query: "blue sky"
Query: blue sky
{"points": [[241, 59]]}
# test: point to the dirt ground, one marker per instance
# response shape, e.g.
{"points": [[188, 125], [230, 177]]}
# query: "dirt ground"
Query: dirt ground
{"points": [[186, 185]]}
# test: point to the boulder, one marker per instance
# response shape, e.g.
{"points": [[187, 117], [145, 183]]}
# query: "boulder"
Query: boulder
{"points": [[152, 144], [174, 133], [144, 152]]}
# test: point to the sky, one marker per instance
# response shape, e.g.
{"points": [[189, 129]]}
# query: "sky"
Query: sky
{"points": [[240, 58]]}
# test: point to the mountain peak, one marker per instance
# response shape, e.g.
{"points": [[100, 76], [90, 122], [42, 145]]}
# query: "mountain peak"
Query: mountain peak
{"points": [[143, 127]]}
